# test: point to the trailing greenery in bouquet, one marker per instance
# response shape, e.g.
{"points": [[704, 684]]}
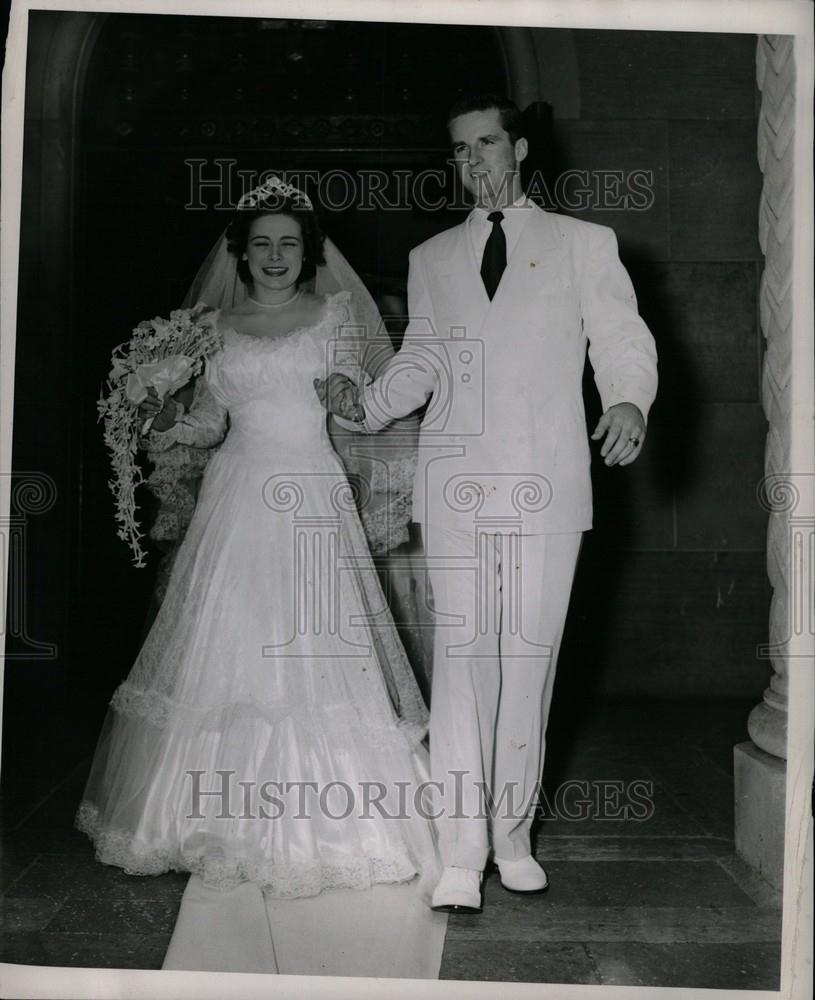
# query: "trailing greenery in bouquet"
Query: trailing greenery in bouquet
{"points": [[163, 354]]}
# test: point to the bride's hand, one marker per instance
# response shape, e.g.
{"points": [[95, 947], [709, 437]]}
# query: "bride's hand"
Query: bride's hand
{"points": [[162, 411], [339, 395]]}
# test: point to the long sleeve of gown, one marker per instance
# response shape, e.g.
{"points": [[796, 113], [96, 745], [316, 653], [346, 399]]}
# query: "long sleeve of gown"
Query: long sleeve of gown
{"points": [[204, 426]]}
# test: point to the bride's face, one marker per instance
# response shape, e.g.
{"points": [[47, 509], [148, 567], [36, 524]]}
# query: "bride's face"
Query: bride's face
{"points": [[274, 252]]}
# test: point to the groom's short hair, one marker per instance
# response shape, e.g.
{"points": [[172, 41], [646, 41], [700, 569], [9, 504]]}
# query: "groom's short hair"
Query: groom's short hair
{"points": [[511, 118]]}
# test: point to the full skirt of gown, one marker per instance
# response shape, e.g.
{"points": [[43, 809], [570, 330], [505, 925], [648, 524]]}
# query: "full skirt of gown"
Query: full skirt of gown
{"points": [[270, 729]]}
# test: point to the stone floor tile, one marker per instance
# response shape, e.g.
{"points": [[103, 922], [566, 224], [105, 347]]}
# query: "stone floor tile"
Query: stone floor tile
{"points": [[102, 951], [57, 876], [705, 792], [578, 807], [13, 864], [58, 807], [750, 881], [23, 948], [518, 962], [655, 848], [152, 949], [639, 883], [538, 919], [119, 916], [19, 915], [753, 966], [59, 838]]}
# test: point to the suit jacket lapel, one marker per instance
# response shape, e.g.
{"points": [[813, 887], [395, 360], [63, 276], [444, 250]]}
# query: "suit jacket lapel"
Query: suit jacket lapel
{"points": [[463, 284], [536, 260]]}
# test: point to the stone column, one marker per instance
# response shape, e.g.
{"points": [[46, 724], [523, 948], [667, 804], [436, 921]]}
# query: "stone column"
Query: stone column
{"points": [[760, 765]]}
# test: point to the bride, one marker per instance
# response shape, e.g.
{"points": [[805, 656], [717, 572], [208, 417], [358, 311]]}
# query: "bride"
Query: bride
{"points": [[270, 729]]}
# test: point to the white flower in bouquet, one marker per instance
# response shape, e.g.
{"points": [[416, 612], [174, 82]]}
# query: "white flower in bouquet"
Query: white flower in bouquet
{"points": [[164, 355]]}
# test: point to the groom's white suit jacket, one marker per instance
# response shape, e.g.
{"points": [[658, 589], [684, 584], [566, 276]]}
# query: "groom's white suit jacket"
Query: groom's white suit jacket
{"points": [[504, 443]]}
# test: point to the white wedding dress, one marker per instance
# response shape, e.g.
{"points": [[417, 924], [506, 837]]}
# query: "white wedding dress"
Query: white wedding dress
{"points": [[269, 732]]}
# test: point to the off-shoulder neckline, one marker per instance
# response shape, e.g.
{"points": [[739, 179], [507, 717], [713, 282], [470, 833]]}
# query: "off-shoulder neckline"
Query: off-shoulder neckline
{"points": [[332, 300]]}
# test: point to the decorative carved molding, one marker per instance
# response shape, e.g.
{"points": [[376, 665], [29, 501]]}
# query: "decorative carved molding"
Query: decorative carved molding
{"points": [[338, 85], [283, 131], [775, 72]]}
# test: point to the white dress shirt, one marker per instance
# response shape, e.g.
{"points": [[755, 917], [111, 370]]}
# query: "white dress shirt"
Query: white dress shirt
{"points": [[479, 226]]}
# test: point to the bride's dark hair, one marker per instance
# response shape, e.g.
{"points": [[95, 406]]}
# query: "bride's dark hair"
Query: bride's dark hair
{"points": [[237, 234]]}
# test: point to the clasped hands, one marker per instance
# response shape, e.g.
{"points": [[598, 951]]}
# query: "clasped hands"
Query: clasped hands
{"points": [[340, 396]]}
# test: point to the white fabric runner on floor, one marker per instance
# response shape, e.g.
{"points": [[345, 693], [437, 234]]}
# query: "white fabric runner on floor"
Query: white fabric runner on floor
{"points": [[387, 931]]}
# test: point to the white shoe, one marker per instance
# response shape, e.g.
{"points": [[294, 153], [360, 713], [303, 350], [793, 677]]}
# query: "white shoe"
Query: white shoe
{"points": [[458, 891], [524, 875]]}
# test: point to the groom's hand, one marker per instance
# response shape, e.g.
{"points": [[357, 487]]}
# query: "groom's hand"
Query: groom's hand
{"points": [[624, 428], [339, 395]]}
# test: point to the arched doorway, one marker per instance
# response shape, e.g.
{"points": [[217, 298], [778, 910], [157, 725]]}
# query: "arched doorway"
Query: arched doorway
{"points": [[178, 117]]}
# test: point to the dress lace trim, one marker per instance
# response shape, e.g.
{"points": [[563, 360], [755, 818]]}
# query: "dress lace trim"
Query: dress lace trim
{"points": [[336, 305], [389, 509], [222, 871], [348, 726]]}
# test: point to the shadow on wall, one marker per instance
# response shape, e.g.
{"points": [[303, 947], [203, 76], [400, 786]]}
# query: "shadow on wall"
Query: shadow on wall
{"points": [[631, 505]]}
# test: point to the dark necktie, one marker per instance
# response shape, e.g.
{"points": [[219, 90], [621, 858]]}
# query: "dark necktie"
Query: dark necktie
{"points": [[495, 254]]}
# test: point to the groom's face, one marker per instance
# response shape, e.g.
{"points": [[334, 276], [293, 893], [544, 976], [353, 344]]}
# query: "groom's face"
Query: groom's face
{"points": [[486, 158]]}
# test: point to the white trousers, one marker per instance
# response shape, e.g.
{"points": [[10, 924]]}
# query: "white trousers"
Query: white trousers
{"points": [[500, 603]]}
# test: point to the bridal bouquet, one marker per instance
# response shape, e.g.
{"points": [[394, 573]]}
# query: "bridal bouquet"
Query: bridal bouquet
{"points": [[163, 354]]}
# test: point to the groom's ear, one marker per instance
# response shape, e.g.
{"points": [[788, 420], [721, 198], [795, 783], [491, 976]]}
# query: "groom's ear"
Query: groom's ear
{"points": [[521, 149]]}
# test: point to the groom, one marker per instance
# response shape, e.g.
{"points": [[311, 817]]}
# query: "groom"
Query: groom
{"points": [[503, 308]]}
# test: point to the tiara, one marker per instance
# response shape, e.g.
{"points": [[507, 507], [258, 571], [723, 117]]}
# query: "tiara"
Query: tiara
{"points": [[273, 186]]}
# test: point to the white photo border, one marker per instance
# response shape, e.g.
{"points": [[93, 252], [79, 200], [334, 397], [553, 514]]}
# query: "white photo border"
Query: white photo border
{"points": [[775, 17]]}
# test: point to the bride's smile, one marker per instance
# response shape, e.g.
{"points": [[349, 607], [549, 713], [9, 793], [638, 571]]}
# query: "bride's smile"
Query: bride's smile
{"points": [[274, 257]]}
